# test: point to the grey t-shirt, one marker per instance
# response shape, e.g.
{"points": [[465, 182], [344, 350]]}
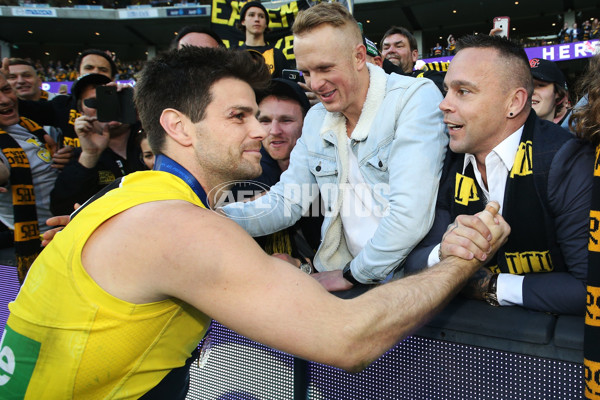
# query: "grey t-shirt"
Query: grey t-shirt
{"points": [[42, 173]]}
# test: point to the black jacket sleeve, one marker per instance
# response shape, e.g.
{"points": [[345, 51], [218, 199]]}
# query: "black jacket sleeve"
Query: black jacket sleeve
{"points": [[569, 196], [75, 184], [54, 112]]}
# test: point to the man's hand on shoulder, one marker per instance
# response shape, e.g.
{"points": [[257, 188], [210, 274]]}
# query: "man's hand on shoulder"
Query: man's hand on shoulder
{"points": [[60, 221], [312, 97]]}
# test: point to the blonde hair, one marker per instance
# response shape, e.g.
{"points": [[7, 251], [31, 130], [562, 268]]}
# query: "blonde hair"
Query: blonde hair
{"points": [[333, 14]]}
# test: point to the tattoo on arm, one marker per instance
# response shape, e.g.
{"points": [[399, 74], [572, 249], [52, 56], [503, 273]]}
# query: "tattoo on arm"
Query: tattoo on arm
{"points": [[477, 285]]}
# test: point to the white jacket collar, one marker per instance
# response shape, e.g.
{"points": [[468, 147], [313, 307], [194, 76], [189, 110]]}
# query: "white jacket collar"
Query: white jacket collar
{"points": [[336, 121]]}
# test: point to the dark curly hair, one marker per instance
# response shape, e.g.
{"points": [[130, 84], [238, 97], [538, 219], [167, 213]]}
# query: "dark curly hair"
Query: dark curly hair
{"points": [[585, 120]]}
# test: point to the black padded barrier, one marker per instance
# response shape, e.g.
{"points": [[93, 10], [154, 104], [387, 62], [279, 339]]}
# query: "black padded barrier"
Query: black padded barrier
{"points": [[468, 351]]}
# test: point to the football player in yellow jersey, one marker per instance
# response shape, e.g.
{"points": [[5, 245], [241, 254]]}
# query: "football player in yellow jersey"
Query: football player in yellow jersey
{"points": [[120, 298]]}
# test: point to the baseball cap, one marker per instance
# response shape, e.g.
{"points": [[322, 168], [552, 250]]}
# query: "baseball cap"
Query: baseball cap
{"points": [[285, 87], [253, 4], [88, 79], [371, 48], [547, 71]]}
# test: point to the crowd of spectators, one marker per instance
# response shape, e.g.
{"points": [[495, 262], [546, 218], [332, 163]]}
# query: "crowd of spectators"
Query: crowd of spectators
{"points": [[101, 3], [103, 151], [57, 71], [589, 30]]}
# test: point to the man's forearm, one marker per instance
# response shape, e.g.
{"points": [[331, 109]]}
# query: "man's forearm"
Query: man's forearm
{"points": [[478, 284], [265, 215], [411, 302]]}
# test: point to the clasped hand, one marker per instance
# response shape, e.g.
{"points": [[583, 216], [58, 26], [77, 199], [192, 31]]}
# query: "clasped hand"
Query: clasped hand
{"points": [[469, 236]]}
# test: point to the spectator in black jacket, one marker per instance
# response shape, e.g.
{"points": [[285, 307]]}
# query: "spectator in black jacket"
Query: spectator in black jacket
{"points": [[108, 151], [254, 22], [540, 174], [564, 35], [575, 33]]}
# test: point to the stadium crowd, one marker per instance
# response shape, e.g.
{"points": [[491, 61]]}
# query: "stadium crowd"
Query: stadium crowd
{"points": [[426, 184], [101, 3], [57, 71]]}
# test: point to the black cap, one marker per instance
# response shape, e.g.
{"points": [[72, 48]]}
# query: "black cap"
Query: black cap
{"points": [[547, 71], [86, 80], [253, 4], [285, 87]]}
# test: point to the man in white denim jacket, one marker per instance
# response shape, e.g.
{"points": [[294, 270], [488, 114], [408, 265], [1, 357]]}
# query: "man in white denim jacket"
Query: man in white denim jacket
{"points": [[374, 146]]}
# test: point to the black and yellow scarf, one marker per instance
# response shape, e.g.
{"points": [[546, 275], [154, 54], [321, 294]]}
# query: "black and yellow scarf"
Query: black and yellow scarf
{"points": [[591, 348], [528, 247], [26, 230], [44, 95]]}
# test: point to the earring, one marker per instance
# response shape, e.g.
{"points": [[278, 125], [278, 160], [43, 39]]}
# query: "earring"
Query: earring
{"points": [[510, 114]]}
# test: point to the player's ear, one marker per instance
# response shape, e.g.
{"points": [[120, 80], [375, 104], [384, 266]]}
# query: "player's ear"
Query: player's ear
{"points": [[177, 126]]}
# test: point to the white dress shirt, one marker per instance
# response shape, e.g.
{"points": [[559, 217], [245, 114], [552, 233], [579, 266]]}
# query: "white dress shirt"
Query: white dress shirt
{"points": [[360, 216]]}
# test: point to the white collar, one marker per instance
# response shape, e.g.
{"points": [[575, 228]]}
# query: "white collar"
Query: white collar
{"points": [[506, 150]]}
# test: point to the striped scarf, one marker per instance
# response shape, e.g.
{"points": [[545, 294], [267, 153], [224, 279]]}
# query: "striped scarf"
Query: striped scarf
{"points": [[591, 346], [527, 249], [26, 229]]}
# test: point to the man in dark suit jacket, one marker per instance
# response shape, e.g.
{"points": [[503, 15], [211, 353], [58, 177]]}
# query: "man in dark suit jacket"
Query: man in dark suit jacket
{"points": [[500, 150]]}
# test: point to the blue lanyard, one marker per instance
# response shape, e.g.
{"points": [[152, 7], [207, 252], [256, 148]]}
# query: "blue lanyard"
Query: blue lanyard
{"points": [[164, 163]]}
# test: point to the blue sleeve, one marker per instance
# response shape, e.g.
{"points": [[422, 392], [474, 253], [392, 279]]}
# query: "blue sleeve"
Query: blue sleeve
{"points": [[415, 167], [417, 259]]}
